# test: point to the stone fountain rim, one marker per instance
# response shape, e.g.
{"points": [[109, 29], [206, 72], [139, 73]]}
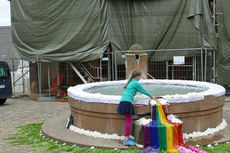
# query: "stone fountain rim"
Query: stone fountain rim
{"points": [[78, 92]]}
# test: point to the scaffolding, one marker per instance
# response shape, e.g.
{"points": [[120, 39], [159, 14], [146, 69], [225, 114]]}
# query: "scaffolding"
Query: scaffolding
{"points": [[20, 78], [47, 79]]}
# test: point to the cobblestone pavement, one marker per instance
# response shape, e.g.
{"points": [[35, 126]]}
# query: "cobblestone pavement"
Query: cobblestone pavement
{"points": [[17, 112]]}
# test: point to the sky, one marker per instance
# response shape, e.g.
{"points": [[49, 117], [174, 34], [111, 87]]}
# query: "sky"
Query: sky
{"points": [[5, 13]]}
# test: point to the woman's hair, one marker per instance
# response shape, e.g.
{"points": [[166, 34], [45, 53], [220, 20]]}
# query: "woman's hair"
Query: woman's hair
{"points": [[133, 75]]}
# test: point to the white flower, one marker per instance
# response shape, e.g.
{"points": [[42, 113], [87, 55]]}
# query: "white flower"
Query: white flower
{"points": [[64, 144], [163, 101], [190, 135], [195, 135], [172, 118], [74, 145], [43, 137], [92, 147], [185, 136], [153, 102], [209, 145], [143, 121], [115, 149], [227, 142], [197, 146], [139, 146], [51, 140]]}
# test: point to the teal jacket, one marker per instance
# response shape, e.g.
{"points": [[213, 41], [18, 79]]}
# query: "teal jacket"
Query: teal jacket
{"points": [[133, 87]]}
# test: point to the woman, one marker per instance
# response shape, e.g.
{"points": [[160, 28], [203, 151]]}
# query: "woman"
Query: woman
{"points": [[126, 107]]}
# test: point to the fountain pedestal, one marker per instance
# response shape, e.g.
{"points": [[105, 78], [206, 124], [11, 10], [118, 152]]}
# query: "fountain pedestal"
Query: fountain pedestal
{"points": [[95, 111], [137, 60]]}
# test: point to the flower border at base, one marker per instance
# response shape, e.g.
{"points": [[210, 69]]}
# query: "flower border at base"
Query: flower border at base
{"points": [[209, 131], [195, 134]]}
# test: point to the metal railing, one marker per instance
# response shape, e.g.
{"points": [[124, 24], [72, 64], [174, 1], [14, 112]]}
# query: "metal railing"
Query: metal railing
{"points": [[199, 64], [98, 69]]}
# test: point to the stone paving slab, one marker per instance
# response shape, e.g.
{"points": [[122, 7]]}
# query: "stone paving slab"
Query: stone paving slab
{"points": [[17, 112], [227, 99]]}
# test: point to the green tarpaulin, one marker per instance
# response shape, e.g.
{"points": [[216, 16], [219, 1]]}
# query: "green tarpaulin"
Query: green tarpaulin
{"points": [[63, 30], [223, 55], [81, 30], [161, 24]]}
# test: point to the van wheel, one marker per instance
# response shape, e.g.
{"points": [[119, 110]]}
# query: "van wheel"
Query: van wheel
{"points": [[2, 101]]}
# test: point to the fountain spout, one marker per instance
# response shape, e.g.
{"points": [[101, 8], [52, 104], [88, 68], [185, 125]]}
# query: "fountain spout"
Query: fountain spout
{"points": [[136, 58]]}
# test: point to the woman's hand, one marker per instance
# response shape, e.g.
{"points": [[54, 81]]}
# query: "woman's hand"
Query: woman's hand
{"points": [[154, 98]]}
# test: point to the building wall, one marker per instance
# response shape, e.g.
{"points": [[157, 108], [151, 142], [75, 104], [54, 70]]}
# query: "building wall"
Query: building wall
{"points": [[5, 41]]}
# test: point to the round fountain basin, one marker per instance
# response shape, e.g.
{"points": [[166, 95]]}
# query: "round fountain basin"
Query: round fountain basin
{"points": [[197, 104]]}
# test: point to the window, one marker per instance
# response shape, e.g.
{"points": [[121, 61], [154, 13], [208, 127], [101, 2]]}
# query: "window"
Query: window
{"points": [[3, 71]]}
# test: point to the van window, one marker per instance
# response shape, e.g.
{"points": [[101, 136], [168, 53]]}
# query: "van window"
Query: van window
{"points": [[3, 71]]}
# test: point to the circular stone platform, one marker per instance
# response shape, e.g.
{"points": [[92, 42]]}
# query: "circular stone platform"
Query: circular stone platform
{"points": [[55, 129]]}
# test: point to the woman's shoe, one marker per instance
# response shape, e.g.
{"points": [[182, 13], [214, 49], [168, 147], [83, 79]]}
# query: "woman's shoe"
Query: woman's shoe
{"points": [[129, 142]]}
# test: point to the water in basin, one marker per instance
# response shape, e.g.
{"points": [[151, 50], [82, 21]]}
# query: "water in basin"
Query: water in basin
{"points": [[155, 89]]}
